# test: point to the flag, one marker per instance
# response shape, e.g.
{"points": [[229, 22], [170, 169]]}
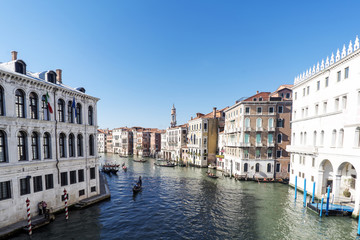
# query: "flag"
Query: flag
{"points": [[47, 97], [74, 106]]}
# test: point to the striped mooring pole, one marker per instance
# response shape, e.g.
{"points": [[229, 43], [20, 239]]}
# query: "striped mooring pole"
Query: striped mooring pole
{"points": [[28, 216], [66, 205]]}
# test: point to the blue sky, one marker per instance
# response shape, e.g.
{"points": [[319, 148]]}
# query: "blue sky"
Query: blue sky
{"points": [[141, 56]]}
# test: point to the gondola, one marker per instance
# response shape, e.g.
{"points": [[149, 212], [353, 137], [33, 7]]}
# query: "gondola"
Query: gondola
{"points": [[211, 175], [165, 165], [141, 160], [136, 189]]}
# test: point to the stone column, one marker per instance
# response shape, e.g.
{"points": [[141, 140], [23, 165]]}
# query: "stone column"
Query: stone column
{"points": [[319, 184], [357, 198], [336, 188]]}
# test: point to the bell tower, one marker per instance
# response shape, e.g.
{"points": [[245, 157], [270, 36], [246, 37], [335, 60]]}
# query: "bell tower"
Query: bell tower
{"points": [[173, 116]]}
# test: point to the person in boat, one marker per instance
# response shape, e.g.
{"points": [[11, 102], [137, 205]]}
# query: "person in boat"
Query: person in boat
{"points": [[139, 182]]}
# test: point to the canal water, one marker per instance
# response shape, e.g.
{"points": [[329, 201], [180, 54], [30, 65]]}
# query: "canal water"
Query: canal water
{"points": [[183, 203]]}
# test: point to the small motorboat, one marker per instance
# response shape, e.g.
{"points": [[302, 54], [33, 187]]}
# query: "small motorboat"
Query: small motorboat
{"points": [[136, 189], [211, 175]]}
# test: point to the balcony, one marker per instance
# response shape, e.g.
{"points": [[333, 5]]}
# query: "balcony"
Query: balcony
{"points": [[270, 144], [247, 129], [258, 144], [232, 144], [302, 149], [271, 129], [244, 144], [259, 129]]}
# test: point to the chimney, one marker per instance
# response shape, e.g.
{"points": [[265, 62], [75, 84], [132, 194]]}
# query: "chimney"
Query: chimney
{"points": [[214, 112], [14, 55], [257, 92], [59, 75]]}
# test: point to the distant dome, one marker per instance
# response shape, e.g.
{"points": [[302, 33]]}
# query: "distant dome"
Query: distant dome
{"points": [[81, 89]]}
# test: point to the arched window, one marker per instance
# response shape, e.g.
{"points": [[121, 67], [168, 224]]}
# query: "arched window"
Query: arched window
{"points": [[247, 122], [70, 112], [2, 102], [245, 167], [47, 146], [341, 137], [305, 138], [90, 113], [20, 67], [333, 139], [78, 113], [314, 140], [62, 142], [269, 167], [322, 135], [61, 110], [279, 138], [91, 145], [259, 123], [3, 147], [45, 109], [357, 137], [33, 106], [20, 103], [257, 167], [51, 77], [35, 146], [71, 145], [79, 145], [271, 123], [21, 146]]}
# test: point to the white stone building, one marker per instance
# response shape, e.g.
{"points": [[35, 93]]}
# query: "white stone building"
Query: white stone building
{"points": [[325, 146], [44, 148], [176, 139], [117, 140], [101, 141]]}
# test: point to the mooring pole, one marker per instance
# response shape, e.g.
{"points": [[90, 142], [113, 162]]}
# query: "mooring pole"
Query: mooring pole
{"points": [[358, 233], [295, 187], [305, 198], [321, 207], [313, 195], [327, 200]]}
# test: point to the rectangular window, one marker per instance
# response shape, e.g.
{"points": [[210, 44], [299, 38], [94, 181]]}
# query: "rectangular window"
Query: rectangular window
{"points": [[259, 110], [278, 153], [247, 110], [38, 184], [313, 162], [326, 81], [280, 109], [205, 126], [295, 95], [312, 178], [346, 73], [25, 186], [339, 76], [72, 177], [81, 192], [308, 90], [258, 153], [237, 166], [299, 174], [64, 178], [280, 123], [246, 153], [269, 153], [81, 175], [271, 110], [258, 138], [49, 181], [318, 85], [303, 92], [92, 173], [278, 167], [336, 104], [93, 189], [5, 190], [246, 138]]}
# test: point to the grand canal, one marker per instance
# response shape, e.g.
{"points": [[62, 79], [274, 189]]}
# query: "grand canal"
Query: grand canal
{"points": [[183, 203]]}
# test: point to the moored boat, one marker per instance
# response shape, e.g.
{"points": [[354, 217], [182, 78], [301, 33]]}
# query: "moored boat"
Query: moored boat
{"points": [[140, 160], [165, 165], [136, 189], [211, 175]]}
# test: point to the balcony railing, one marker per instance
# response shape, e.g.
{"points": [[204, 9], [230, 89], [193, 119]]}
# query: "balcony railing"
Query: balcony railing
{"points": [[258, 144], [259, 129], [247, 129], [244, 144], [271, 129], [270, 144]]}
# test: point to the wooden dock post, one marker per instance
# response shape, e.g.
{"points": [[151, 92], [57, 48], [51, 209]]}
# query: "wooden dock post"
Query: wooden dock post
{"points": [[305, 198], [327, 200], [295, 187], [313, 195], [321, 207]]}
